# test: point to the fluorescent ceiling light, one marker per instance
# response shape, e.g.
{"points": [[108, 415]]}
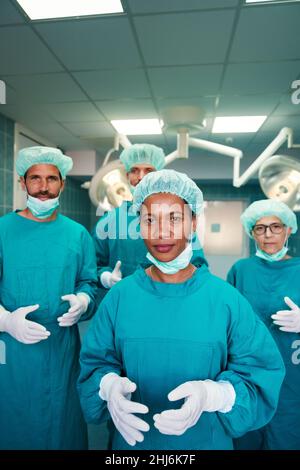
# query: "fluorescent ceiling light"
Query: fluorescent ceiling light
{"points": [[237, 124], [273, 1], [46, 9], [137, 126]]}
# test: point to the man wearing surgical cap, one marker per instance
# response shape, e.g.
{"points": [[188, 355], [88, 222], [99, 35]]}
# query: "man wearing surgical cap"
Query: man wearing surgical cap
{"points": [[175, 355], [270, 282], [48, 282], [119, 247]]}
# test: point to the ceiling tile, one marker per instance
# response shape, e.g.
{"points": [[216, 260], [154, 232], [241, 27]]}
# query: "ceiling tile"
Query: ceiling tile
{"points": [[92, 44], [146, 6], [273, 77], [127, 109], [268, 32], [27, 114], [286, 106], [185, 81], [108, 84], [73, 112], [90, 129], [276, 123], [248, 105], [46, 88], [191, 38], [21, 52], [9, 14]]}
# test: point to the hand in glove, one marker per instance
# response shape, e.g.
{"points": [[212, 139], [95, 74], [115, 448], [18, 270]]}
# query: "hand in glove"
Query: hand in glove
{"points": [[117, 391], [200, 396], [78, 306], [288, 320], [109, 279], [25, 331]]}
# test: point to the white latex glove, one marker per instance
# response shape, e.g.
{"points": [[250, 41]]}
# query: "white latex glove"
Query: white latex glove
{"points": [[117, 391], [78, 306], [109, 279], [199, 395], [25, 331], [288, 320]]}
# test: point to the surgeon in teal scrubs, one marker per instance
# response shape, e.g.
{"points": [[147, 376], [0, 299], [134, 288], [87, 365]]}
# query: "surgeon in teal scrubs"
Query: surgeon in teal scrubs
{"points": [[270, 282], [48, 282], [119, 246], [176, 356]]}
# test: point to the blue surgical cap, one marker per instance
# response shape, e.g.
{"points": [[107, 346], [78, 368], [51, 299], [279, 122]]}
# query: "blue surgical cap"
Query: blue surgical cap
{"points": [[143, 153], [168, 181], [37, 155], [264, 208]]}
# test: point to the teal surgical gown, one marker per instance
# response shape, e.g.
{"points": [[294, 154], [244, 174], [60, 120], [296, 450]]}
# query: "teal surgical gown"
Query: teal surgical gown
{"points": [[161, 335], [117, 237], [265, 284], [40, 262]]}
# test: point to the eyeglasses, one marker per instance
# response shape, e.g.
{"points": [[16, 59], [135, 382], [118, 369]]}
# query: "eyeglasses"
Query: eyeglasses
{"points": [[275, 228]]}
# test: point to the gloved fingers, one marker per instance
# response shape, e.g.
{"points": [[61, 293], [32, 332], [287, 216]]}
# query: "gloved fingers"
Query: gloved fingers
{"points": [[134, 422], [129, 406], [283, 323], [68, 322], [127, 386], [284, 315], [169, 430], [74, 309], [131, 435], [116, 270], [33, 340], [290, 303], [28, 309], [68, 316], [173, 415], [69, 298], [32, 325], [37, 333], [115, 278], [182, 391], [290, 329]]}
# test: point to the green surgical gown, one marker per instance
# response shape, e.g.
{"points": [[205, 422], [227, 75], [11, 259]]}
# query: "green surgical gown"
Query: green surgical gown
{"points": [[265, 284], [40, 262], [161, 335]]}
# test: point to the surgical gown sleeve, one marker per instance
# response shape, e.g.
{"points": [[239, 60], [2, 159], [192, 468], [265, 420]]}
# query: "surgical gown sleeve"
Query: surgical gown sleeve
{"points": [[86, 280], [231, 276], [254, 368], [101, 241], [98, 357]]}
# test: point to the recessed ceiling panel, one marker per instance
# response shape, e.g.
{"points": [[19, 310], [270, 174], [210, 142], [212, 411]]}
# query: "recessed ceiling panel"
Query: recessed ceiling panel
{"points": [[92, 44], [152, 6], [186, 38], [127, 109]]}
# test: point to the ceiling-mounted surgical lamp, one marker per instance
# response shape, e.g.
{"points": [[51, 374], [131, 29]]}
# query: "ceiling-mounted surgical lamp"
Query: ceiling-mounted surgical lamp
{"points": [[279, 177]]}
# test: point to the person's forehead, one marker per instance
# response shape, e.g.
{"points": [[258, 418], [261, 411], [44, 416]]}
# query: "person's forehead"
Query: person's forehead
{"points": [[43, 169], [142, 166], [268, 219], [165, 203]]}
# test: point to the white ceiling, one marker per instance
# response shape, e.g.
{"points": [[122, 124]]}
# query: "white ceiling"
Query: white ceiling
{"points": [[68, 78]]}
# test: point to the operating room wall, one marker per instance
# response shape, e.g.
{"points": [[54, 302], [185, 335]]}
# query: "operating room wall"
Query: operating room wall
{"points": [[75, 203], [6, 164]]}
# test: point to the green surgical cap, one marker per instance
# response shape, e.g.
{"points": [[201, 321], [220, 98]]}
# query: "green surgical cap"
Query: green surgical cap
{"points": [[143, 153], [37, 155], [168, 181], [267, 207]]}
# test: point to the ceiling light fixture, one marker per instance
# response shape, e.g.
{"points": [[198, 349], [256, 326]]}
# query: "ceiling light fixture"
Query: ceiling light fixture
{"points": [[237, 124], [49, 9], [137, 126]]}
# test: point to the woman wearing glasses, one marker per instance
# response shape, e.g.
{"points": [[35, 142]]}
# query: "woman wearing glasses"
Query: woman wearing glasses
{"points": [[270, 281]]}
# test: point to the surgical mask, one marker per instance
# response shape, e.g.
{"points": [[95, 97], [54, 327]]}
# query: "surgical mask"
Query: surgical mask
{"points": [[275, 256], [42, 209], [175, 265], [132, 189]]}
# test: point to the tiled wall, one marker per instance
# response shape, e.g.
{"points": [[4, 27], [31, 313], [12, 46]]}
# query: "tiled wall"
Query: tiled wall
{"points": [[249, 193], [6, 164], [75, 203]]}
